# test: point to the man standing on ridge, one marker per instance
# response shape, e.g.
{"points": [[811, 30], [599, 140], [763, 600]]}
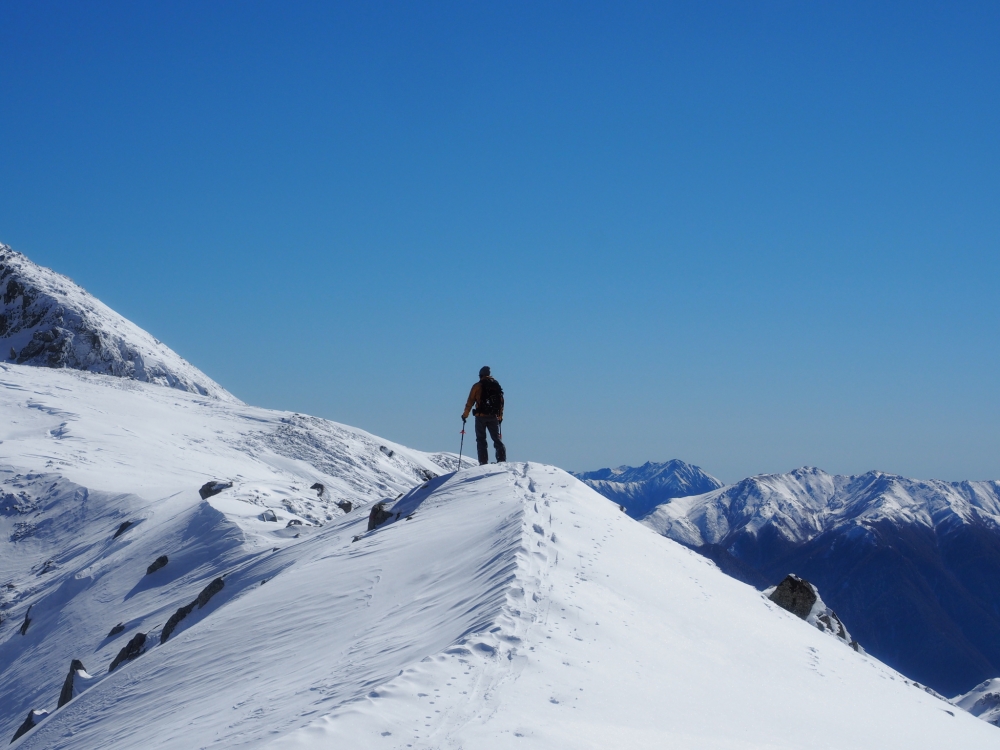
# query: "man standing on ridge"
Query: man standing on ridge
{"points": [[487, 396]]}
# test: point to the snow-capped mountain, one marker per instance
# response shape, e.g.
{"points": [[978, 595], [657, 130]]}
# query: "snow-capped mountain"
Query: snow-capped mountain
{"points": [[913, 565], [982, 701], [641, 489], [48, 321], [179, 570]]}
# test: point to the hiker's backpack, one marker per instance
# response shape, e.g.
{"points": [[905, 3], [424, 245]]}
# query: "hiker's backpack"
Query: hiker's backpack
{"points": [[490, 398]]}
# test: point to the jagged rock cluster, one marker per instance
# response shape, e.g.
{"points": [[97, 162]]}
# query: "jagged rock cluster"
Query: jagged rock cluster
{"points": [[207, 593], [78, 680]]}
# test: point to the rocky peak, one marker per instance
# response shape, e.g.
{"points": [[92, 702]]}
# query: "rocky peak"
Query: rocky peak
{"points": [[46, 320]]}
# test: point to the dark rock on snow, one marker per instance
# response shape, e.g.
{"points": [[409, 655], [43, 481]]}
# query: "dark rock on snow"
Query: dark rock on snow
{"points": [[27, 620], [345, 505], [213, 488], [157, 564], [121, 529], [66, 695], [207, 593], [795, 595], [119, 628], [130, 651], [269, 515], [378, 516], [33, 718], [319, 489]]}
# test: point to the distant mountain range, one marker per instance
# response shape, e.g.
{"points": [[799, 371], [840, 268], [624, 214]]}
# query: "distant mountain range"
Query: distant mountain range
{"points": [[46, 320], [913, 565], [641, 489]]}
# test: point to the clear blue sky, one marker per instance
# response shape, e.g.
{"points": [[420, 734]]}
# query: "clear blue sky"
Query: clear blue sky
{"points": [[749, 235]]}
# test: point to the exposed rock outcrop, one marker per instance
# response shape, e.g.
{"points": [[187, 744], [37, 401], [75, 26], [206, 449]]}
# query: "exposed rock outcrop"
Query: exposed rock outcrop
{"points": [[76, 682], [213, 488], [795, 595], [119, 628], [207, 593], [33, 718], [345, 505], [158, 563], [378, 516], [27, 621], [133, 649], [802, 599], [121, 529], [320, 489]]}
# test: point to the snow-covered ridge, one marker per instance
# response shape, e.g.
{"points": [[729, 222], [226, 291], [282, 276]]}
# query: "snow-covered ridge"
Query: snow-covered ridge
{"points": [[807, 502], [48, 321], [100, 476], [501, 608]]}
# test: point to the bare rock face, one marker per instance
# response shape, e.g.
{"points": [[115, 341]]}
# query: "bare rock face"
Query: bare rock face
{"points": [[27, 621], [121, 529], [207, 593], [158, 563], [131, 650], [33, 718], [378, 516], [213, 488], [795, 595], [320, 489], [119, 628], [76, 682], [345, 505]]}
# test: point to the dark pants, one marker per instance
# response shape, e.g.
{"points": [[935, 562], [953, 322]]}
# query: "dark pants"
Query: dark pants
{"points": [[482, 425]]}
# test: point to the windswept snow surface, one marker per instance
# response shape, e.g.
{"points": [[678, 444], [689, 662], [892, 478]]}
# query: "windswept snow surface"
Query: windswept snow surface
{"points": [[48, 321], [81, 454], [502, 608]]}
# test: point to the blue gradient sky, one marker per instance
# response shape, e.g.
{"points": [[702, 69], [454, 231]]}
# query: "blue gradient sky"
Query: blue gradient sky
{"points": [[749, 235]]}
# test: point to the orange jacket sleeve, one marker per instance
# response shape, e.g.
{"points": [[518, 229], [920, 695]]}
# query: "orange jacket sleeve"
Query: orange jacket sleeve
{"points": [[473, 398]]}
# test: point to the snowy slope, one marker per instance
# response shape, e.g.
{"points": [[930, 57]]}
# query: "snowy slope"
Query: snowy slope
{"points": [[913, 565], [81, 453], [640, 489], [48, 321], [505, 612]]}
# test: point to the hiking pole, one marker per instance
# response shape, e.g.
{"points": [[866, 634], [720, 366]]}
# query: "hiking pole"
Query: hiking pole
{"points": [[461, 446]]}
